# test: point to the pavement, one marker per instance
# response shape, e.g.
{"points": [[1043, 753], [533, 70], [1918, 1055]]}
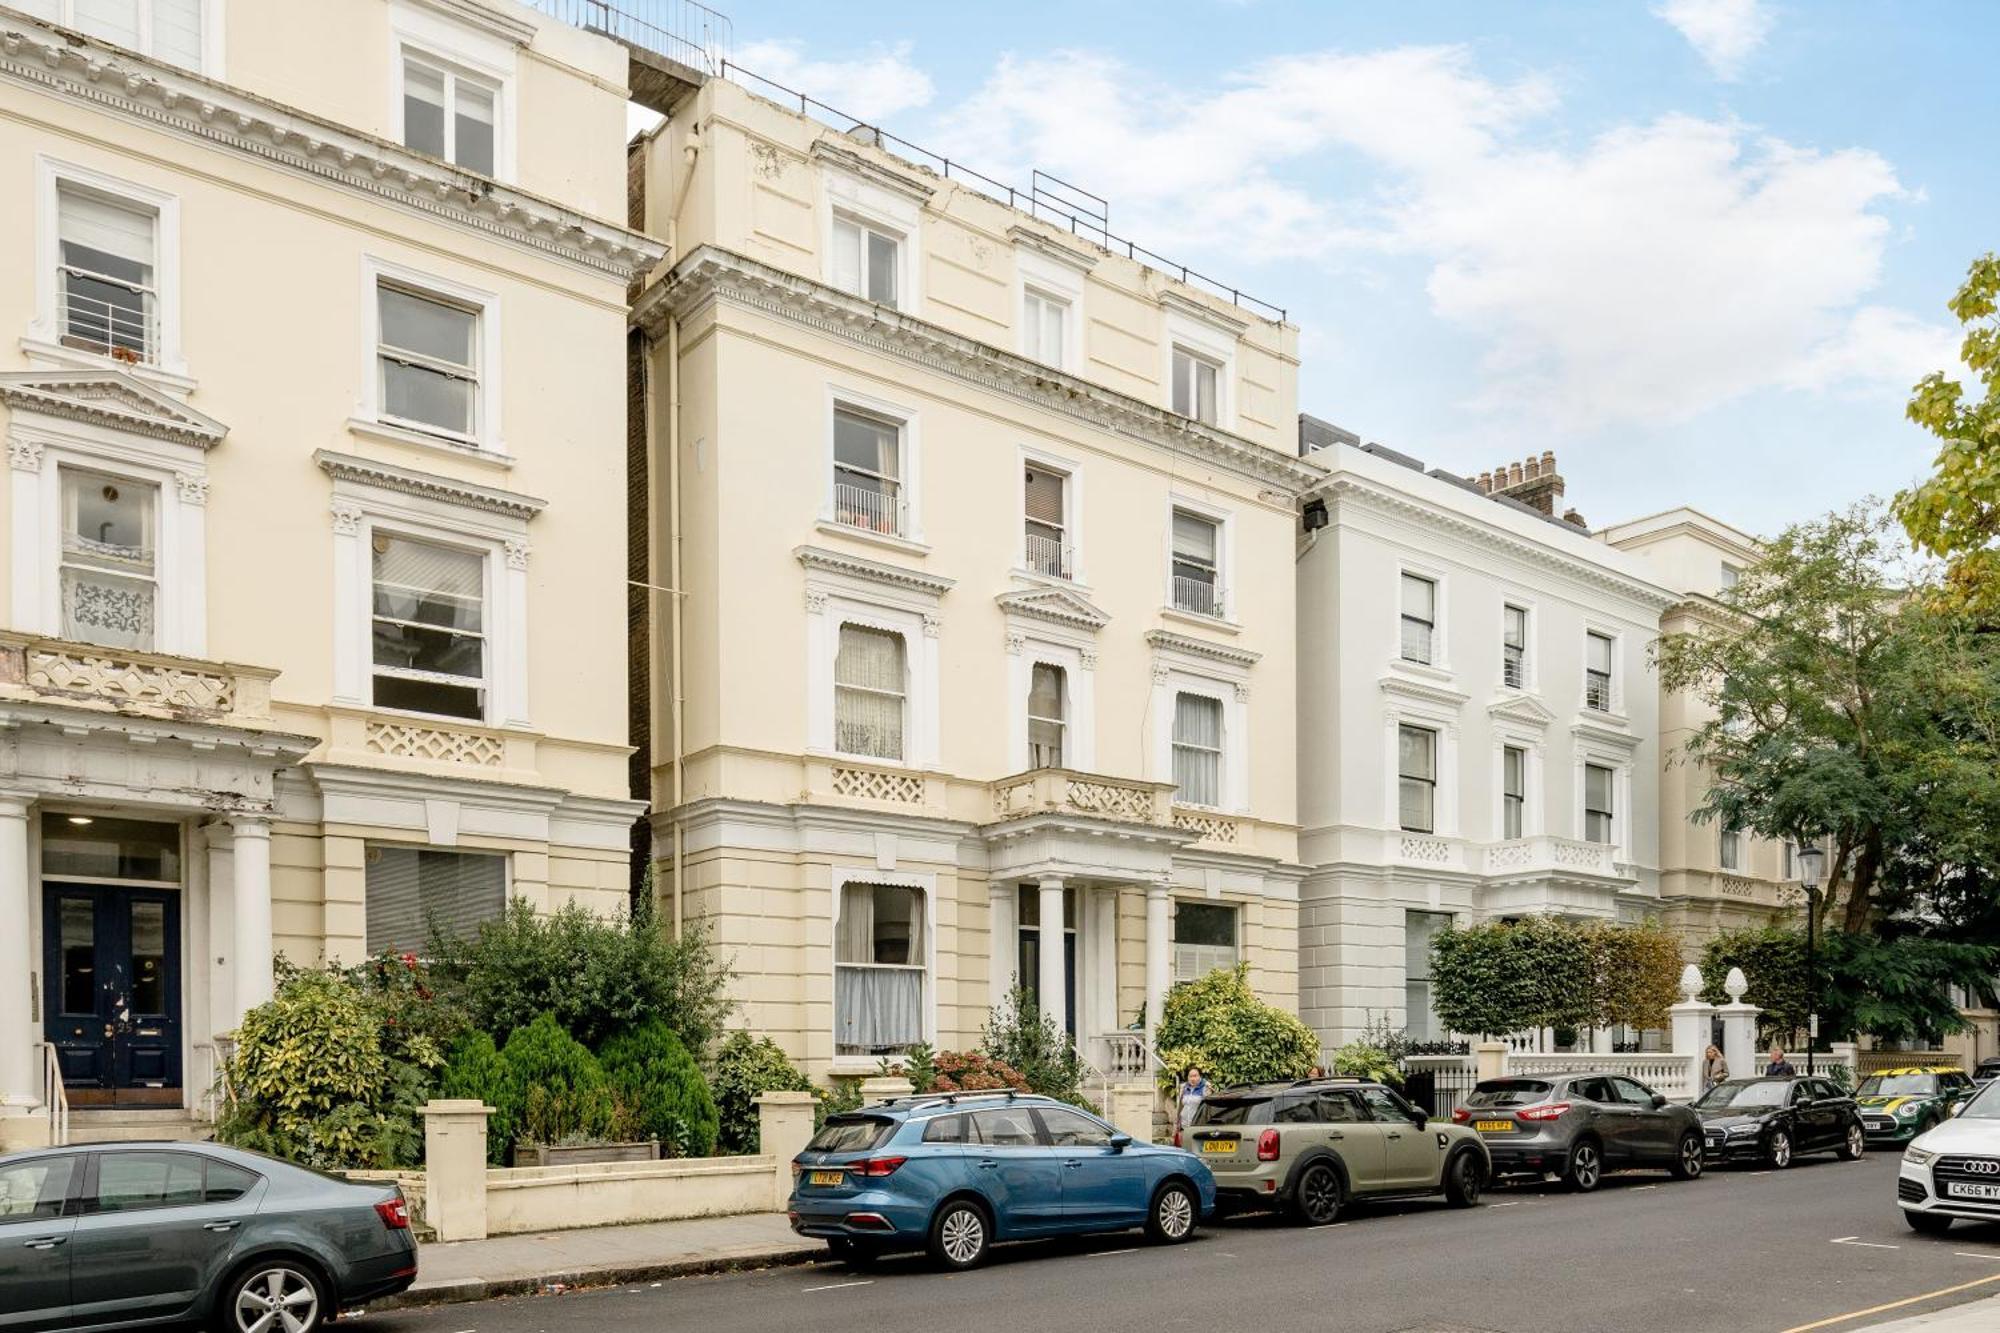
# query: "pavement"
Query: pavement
{"points": [[1820, 1246]]}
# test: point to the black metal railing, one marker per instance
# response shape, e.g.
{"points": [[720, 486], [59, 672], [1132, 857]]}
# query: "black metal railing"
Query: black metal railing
{"points": [[682, 30]]}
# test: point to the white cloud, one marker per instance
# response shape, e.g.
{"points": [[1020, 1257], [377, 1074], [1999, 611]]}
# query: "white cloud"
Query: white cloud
{"points": [[1652, 272], [1726, 33], [871, 88], [1881, 347]]}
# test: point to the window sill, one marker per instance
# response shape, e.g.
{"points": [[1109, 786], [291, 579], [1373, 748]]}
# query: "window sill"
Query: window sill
{"points": [[75, 358], [1220, 624], [904, 544], [1603, 717], [370, 429]]}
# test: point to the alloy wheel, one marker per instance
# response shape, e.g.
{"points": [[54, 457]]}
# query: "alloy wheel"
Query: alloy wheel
{"points": [[1174, 1213], [1857, 1142], [277, 1300], [1466, 1174], [1584, 1168], [1691, 1156], [1319, 1195], [962, 1235], [1781, 1149]]}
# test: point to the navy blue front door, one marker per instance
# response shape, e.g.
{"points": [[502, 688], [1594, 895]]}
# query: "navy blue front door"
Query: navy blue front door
{"points": [[111, 963]]}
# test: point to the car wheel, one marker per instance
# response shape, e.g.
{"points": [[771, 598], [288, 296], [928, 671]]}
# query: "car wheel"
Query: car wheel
{"points": [[1316, 1199], [1171, 1219], [1463, 1180], [1778, 1152], [1855, 1145], [1689, 1161], [960, 1235], [1930, 1224], [1585, 1167], [277, 1295]]}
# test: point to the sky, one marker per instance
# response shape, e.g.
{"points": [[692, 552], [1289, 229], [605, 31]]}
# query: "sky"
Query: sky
{"points": [[1701, 249]]}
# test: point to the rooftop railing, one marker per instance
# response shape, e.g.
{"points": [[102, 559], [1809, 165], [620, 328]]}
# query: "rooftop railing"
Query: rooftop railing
{"points": [[682, 30]]}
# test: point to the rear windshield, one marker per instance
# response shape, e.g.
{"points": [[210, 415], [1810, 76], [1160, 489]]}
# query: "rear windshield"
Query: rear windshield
{"points": [[1234, 1111], [1509, 1092], [851, 1133], [1746, 1096]]}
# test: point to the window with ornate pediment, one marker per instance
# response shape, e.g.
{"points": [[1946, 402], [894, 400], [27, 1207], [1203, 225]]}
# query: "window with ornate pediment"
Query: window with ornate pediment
{"points": [[109, 560]]}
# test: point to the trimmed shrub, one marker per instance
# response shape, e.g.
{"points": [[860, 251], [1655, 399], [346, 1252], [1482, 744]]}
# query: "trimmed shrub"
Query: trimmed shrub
{"points": [[1019, 1037], [1219, 1024], [563, 1092], [1502, 977], [744, 1067], [1360, 1059], [660, 1090], [476, 1070]]}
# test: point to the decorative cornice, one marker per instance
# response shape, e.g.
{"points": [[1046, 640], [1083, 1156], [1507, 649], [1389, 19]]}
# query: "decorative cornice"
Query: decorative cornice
{"points": [[818, 559], [109, 398], [69, 64], [1058, 606], [1050, 248], [711, 273], [1349, 488], [1406, 688], [427, 485], [1182, 304], [1521, 708], [1606, 733], [485, 18], [851, 160], [1168, 641]]}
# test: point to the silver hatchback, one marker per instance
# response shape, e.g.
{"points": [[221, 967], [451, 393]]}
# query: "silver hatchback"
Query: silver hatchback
{"points": [[1579, 1126]]}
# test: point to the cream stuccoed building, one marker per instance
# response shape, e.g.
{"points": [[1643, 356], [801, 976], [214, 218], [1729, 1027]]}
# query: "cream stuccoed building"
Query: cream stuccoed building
{"points": [[1711, 878], [1478, 724], [982, 654], [314, 618]]}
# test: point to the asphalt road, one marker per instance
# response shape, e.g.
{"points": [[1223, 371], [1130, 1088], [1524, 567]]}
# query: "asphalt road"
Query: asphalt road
{"points": [[1737, 1250]]}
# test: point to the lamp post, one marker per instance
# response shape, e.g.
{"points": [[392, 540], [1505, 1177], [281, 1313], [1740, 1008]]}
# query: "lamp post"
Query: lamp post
{"points": [[1810, 859]]}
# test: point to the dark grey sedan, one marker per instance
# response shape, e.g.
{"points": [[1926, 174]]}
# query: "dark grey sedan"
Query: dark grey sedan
{"points": [[169, 1233], [1581, 1125]]}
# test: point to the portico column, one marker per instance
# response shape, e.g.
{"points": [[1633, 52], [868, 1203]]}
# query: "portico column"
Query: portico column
{"points": [[1054, 980], [1157, 927], [251, 901], [20, 1079], [1003, 942]]}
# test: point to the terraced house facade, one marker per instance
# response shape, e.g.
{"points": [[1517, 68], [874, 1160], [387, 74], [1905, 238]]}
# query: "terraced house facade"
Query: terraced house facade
{"points": [[981, 535], [314, 595]]}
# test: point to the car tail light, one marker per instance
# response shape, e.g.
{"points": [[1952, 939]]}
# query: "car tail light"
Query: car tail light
{"points": [[1267, 1146], [876, 1166], [1542, 1111], [1177, 1138], [395, 1214], [1461, 1116], [797, 1170]]}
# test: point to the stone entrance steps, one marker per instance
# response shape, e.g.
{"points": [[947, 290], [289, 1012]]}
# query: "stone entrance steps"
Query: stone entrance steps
{"points": [[134, 1125]]}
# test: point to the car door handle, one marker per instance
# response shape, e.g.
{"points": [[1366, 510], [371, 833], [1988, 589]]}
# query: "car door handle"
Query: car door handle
{"points": [[1395, 1133], [1074, 1166], [1335, 1135], [989, 1165], [43, 1242], [230, 1225]]}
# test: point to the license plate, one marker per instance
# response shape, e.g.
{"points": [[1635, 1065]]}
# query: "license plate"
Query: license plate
{"points": [[1219, 1145], [826, 1178], [1958, 1191], [1494, 1126]]}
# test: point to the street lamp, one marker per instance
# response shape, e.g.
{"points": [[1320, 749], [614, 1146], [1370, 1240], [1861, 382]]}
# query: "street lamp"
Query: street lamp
{"points": [[1810, 860]]}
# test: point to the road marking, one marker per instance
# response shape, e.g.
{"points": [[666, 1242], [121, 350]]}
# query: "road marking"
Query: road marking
{"points": [[1895, 1305], [1511, 1203], [1106, 1254], [1974, 1254], [1864, 1244], [840, 1286], [1641, 1189]]}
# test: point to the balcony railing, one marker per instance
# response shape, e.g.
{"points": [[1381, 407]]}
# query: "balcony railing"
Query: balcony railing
{"points": [[1048, 556], [1545, 853], [1200, 596], [126, 330], [128, 681], [869, 510], [681, 30], [1514, 670], [1597, 693], [1066, 792]]}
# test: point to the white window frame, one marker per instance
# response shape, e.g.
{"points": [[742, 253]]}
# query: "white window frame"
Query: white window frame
{"points": [[1441, 619], [1788, 860], [1508, 745], [484, 553], [1404, 578], [892, 213], [831, 604], [1072, 475], [926, 886], [1180, 974], [1404, 711], [1436, 779], [43, 342], [419, 29], [1225, 558], [910, 456], [1173, 676], [453, 73], [212, 44], [1729, 850], [487, 439], [858, 622], [1080, 686], [1615, 704], [1526, 678], [63, 561], [1210, 343], [1622, 811], [1037, 273]]}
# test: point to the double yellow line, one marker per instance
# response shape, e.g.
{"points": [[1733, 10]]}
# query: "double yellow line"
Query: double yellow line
{"points": [[1895, 1305]]}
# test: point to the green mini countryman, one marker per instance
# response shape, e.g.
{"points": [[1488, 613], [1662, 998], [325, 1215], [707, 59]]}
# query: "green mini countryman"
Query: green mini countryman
{"points": [[1899, 1104], [1311, 1147]]}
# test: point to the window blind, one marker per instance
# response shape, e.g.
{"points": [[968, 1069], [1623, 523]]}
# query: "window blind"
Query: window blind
{"points": [[96, 224], [1045, 497], [410, 889]]}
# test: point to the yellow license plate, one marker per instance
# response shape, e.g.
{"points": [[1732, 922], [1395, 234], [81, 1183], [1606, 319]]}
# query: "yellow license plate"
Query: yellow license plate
{"points": [[1494, 1126], [1219, 1145], [827, 1177]]}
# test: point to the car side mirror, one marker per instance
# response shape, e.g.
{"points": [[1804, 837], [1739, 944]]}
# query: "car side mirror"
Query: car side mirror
{"points": [[1120, 1142], [1957, 1107], [1659, 1100], [1420, 1117]]}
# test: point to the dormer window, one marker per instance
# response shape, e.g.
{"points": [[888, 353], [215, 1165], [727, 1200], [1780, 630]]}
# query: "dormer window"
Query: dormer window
{"points": [[865, 258], [1197, 386], [168, 30], [449, 113]]}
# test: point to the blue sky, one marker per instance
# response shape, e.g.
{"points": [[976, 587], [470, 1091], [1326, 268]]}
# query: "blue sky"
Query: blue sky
{"points": [[1699, 248]]}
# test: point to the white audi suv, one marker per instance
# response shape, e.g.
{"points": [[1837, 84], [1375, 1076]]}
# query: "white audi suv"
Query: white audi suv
{"points": [[1953, 1170]]}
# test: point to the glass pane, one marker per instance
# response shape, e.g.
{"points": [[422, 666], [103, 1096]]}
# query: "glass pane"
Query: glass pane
{"points": [[880, 924], [866, 443], [429, 328], [1517, 627], [1194, 538], [846, 265], [1416, 752], [869, 658], [105, 848], [881, 268], [1596, 787], [423, 108], [108, 520], [1198, 775], [223, 1183], [425, 582], [149, 958], [1413, 805], [415, 648], [129, 1181], [1205, 379], [1198, 721], [414, 892], [1513, 764], [107, 610], [79, 956], [35, 1188], [177, 32], [472, 128], [430, 696], [1417, 640], [420, 394], [1045, 692], [1183, 383], [1419, 598], [1205, 923], [1600, 653]]}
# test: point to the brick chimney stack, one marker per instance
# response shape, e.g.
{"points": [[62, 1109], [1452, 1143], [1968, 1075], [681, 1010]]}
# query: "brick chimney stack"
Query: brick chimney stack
{"points": [[1533, 481]]}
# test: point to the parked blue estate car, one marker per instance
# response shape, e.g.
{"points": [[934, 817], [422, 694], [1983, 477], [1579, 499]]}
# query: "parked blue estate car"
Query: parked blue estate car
{"points": [[954, 1172]]}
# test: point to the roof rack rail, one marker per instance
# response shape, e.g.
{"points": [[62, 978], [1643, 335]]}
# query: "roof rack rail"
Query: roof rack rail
{"points": [[1330, 1078], [951, 1098]]}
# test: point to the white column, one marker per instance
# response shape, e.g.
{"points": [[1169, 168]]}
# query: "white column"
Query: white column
{"points": [[20, 1077], [1055, 976], [1003, 941], [25, 545], [220, 942], [250, 897], [514, 640], [1103, 924], [352, 576], [1689, 1022], [1157, 927]]}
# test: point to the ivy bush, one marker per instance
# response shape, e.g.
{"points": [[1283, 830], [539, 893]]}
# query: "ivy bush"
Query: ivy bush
{"points": [[746, 1066], [660, 1091], [565, 1097], [1219, 1024]]}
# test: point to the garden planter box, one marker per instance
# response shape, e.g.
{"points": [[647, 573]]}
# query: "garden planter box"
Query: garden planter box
{"points": [[576, 1154]]}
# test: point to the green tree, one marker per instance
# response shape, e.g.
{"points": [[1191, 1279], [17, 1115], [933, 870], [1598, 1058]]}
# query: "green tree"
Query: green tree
{"points": [[564, 1097], [1221, 1025], [659, 1089], [1636, 973], [1502, 977]]}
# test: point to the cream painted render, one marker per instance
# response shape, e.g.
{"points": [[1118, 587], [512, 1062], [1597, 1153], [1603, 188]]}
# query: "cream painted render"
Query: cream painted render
{"points": [[757, 335], [1379, 881], [253, 413]]}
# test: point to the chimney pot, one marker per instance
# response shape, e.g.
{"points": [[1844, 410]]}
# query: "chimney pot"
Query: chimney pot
{"points": [[1548, 460]]}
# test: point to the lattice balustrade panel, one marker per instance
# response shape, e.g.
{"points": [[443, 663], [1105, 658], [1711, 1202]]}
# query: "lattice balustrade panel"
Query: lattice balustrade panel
{"points": [[122, 681], [408, 741], [1510, 856], [1581, 855], [874, 784], [1432, 851], [1211, 828], [1105, 798]]}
